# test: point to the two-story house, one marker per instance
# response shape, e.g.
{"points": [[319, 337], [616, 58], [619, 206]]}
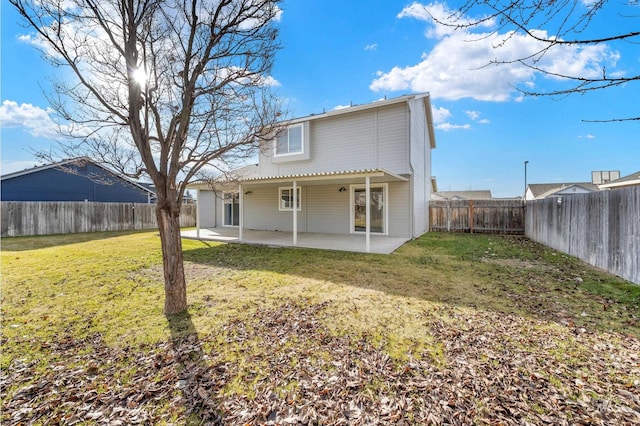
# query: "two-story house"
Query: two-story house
{"points": [[362, 170]]}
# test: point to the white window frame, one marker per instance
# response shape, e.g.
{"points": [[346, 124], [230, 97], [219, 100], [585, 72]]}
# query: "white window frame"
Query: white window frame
{"points": [[299, 200], [275, 142], [224, 209], [385, 197]]}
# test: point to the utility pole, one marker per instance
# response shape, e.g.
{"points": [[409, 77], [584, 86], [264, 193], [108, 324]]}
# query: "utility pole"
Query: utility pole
{"points": [[524, 197]]}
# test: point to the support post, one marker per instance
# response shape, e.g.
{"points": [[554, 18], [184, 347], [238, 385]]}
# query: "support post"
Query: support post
{"points": [[198, 213], [241, 215], [367, 192], [295, 213]]}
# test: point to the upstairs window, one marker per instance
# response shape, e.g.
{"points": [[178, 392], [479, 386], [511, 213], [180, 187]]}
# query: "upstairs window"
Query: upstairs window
{"points": [[289, 141]]}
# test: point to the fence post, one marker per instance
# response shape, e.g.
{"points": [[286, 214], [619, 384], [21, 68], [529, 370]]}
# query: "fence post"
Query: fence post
{"points": [[85, 219], [471, 216], [449, 216]]}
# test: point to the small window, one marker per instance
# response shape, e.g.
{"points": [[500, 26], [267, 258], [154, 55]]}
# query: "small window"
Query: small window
{"points": [[289, 141], [285, 203]]}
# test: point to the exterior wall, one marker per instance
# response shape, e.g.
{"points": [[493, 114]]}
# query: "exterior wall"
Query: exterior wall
{"points": [[329, 209], [324, 209], [421, 167], [400, 209], [369, 139], [261, 210], [207, 212], [56, 185]]}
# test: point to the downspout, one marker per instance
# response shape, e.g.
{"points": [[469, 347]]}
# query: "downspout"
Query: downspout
{"points": [[198, 213], [241, 218], [295, 213], [367, 192]]}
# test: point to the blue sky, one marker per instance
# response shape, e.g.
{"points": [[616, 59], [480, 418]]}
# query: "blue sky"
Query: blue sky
{"points": [[341, 52]]}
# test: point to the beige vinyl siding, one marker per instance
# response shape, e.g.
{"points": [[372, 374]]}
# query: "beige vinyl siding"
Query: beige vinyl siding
{"points": [[392, 143], [419, 165], [375, 138], [261, 210], [399, 209], [328, 209], [207, 209], [324, 209]]}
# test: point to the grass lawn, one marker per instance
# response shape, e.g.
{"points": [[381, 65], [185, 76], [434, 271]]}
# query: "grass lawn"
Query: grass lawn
{"points": [[449, 329]]}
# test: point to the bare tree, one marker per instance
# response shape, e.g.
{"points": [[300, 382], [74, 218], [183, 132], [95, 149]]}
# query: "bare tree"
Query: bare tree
{"points": [[161, 88], [563, 23]]}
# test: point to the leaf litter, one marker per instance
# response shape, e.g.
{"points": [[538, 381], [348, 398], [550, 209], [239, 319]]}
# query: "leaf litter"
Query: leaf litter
{"points": [[289, 368]]}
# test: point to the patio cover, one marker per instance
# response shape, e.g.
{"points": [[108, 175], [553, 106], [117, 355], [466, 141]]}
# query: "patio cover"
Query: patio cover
{"points": [[368, 176]]}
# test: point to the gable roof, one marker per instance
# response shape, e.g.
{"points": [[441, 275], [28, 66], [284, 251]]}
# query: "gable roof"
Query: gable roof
{"points": [[630, 180], [543, 190], [75, 161], [426, 99]]}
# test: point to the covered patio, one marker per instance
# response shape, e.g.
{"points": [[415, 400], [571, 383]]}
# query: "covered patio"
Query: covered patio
{"points": [[380, 244]]}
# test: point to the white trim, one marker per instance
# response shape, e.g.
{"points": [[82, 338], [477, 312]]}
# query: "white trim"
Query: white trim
{"points": [[367, 226], [353, 174], [241, 213], [288, 153], [294, 192], [385, 195], [224, 209], [198, 213], [284, 209], [356, 108]]}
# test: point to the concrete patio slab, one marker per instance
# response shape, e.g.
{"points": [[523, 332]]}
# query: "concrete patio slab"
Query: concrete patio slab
{"points": [[380, 244]]}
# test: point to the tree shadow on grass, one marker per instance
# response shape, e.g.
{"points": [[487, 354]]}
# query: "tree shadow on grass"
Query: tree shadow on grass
{"points": [[196, 380], [36, 242], [462, 272]]}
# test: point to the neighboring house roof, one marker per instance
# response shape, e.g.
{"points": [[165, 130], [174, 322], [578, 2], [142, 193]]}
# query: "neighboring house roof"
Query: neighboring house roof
{"points": [[631, 180], [76, 161], [463, 195], [544, 190]]}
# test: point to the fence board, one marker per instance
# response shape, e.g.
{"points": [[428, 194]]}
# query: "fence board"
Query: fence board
{"points": [[481, 216], [23, 218], [601, 228]]}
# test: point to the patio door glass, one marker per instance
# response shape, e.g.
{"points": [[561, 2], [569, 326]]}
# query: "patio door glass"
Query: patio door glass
{"points": [[360, 210], [231, 209]]}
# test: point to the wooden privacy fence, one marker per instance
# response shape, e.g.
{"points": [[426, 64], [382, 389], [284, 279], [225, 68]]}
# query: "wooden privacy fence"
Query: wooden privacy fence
{"points": [[22, 218], [601, 228], [481, 216]]}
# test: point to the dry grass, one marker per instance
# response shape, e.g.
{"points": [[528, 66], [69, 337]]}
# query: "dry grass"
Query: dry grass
{"points": [[509, 291]]}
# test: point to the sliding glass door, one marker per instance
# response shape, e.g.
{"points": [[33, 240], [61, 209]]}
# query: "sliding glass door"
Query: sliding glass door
{"points": [[377, 209], [231, 209]]}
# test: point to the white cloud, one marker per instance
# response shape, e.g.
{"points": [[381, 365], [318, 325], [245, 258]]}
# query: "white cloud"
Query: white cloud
{"points": [[461, 63], [474, 115], [448, 126], [438, 11], [33, 119], [587, 136], [440, 114], [371, 47], [440, 119], [337, 107]]}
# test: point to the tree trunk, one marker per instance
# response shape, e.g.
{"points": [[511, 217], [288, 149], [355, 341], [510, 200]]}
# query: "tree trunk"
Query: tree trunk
{"points": [[175, 286]]}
